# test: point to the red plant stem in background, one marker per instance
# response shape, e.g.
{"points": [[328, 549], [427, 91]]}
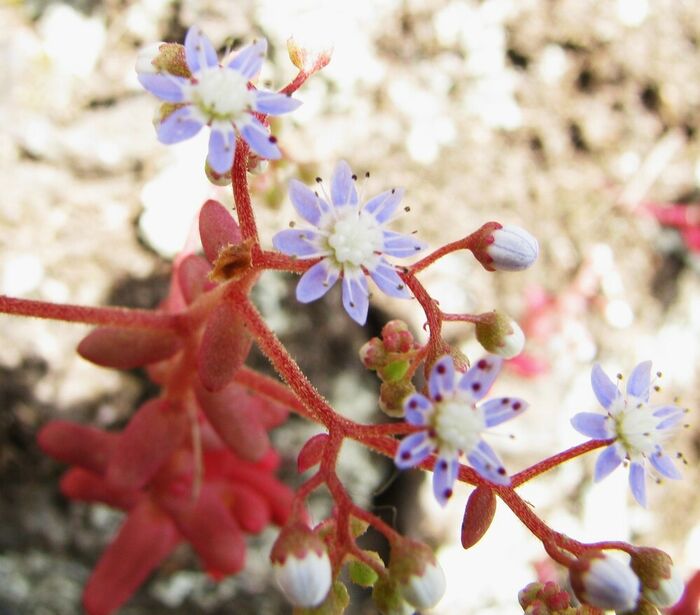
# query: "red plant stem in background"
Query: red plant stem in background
{"points": [[241, 195], [461, 244], [296, 83]]}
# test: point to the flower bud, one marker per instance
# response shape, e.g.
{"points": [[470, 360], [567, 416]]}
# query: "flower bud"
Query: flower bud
{"points": [[392, 395], [500, 334], [544, 598], [372, 354], [661, 583], [162, 57], [604, 582], [504, 248], [307, 59], [302, 566], [397, 337], [420, 578]]}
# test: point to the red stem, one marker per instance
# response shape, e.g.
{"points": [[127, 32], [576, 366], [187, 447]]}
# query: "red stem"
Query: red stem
{"points": [[241, 195]]}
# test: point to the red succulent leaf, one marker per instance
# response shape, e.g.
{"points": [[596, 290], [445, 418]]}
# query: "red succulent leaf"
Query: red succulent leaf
{"points": [[124, 348], [236, 420], [311, 452], [76, 444], [249, 508], [151, 437], [225, 346], [210, 528], [478, 514], [144, 540], [192, 276], [217, 229], [80, 484], [271, 413]]}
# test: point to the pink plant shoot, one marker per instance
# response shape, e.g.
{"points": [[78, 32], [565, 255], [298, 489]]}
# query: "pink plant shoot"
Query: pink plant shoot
{"points": [[195, 464]]}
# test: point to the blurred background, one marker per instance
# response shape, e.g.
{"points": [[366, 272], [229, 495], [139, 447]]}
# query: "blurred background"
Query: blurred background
{"points": [[576, 119]]}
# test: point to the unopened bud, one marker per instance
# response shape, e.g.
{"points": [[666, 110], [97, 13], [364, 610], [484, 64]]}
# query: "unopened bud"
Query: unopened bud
{"points": [[372, 354], [604, 582], [415, 569], [307, 59], [504, 248], [500, 334], [661, 583], [302, 566], [392, 395], [544, 599], [397, 337]]}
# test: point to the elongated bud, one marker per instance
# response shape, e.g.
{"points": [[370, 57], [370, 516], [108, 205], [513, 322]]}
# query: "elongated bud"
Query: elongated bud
{"points": [[500, 334], [661, 583], [302, 566], [307, 59], [420, 578], [604, 582], [504, 248]]}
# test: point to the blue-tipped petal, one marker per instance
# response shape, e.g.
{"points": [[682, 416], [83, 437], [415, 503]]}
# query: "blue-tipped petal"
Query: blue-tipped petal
{"points": [[384, 204], [306, 202], [485, 461], [412, 450], [666, 411], [417, 408], [166, 87], [222, 147], [668, 423], [607, 461], [316, 282], [199, 52], [640, 381], [389, 281], [637, 482], [592, 424], [178, 126], [603, 387], [297, 242], [444, 476], [400, 245], [356, 297], [273, 103], [664, 465], [259, 139], [502, 409], [479, 378], [343, 185], [442, 378], [248, 61]]}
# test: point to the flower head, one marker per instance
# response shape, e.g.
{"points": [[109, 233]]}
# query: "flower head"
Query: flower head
{"points": [[350, 240], [639, 429], [604, 582], [452, 423], [662, 584], [216, 96], [419, 577]]}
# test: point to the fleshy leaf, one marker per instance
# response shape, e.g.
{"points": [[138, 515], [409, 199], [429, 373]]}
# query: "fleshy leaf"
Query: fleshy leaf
{"points": [[77, 445], [250, 509], [478, 514], [151, 436], [79, 484], [311, 452], [144, 540], [225, 346], [192, 277], [123, 348], [217, 229]]}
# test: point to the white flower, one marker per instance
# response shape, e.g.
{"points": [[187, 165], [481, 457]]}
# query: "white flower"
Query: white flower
{"points": [[426, 590], [513, 249], [305, 580], [605, 582]]}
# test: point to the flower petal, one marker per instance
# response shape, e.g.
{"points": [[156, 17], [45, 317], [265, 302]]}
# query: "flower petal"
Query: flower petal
{"points": [[222, 147], [316, 282], [356, 296], [592, 424], [273, 103], [306, 202], [199, 52], [166, 87], [502, 409], [417, 408], [479, 378], [178, 126], [637, 483], [670, 422], [259, 139], [640, 380], [664, 465], [400, 245], [298, 242], [485, 461], [603, 387], [442, 378], [413, 449], [248, 61], [607, 461], [666, 411], [384, 204], [343, 185], [389, 281], [444, 476]]}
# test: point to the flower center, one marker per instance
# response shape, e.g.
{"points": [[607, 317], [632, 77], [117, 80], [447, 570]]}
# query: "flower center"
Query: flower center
{"points": [[459, 425], [220, 94], [636, 426], [354, 237]]}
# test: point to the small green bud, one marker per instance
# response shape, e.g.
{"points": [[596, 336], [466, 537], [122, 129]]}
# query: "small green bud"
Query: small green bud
{"points": [[363, 575], [391, 396], [500, 334]]}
